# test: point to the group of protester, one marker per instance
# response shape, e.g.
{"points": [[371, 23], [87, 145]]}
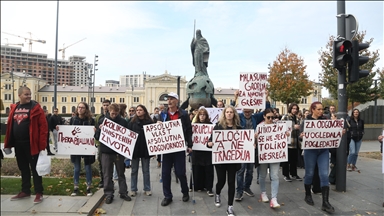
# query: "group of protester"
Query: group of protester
{"points": [[28, 132]]}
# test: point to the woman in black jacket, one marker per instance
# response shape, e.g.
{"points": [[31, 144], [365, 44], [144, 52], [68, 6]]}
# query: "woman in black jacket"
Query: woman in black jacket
{"points": [[140, 152], [357, 131], [229, 120]]}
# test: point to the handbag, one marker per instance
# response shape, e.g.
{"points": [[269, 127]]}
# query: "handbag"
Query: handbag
{"points": [[43, 165]]}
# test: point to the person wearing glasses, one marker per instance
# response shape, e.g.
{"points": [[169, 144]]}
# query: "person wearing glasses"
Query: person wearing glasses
{"points": [[83, 116], [55, 120]]}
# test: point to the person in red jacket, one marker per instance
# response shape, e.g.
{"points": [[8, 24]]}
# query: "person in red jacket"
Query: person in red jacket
{"points": [[27, 132]]}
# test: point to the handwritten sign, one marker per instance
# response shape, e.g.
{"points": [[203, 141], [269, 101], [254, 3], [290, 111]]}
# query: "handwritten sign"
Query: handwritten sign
{"points": [[76, 140], [252, 90], [165, 137], [289, 129], [214, 113], [319, 134], [118, 138], [272, 143], [200, 136], [233, 146]]}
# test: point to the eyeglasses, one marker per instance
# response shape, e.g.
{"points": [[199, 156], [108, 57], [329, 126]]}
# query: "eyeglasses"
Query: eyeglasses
{"points": [[80, 107], [131, 110], [269, 117]]}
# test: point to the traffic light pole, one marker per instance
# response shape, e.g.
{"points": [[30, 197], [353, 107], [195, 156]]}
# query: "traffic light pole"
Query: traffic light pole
{"points": [[341, 158]]}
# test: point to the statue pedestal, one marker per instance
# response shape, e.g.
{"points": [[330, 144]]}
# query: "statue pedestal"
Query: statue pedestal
{"points": [[200, 90]]}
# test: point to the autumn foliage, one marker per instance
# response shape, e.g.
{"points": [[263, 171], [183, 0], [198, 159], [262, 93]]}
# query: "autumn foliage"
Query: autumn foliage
{"points": [[288, 80]]}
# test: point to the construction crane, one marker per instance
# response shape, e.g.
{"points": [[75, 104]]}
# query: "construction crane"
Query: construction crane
{"points": [[63, 49], [7, 44], [30, 39]]}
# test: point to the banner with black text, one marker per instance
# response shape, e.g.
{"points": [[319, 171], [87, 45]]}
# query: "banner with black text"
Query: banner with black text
{"points": [[319, 134]]}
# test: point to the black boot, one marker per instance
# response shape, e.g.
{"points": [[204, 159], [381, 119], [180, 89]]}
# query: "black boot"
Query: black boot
{"points": [[326, 205], [308, 196]]}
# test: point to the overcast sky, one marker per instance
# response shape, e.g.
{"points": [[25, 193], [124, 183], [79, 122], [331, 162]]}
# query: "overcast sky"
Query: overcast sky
{"points": [[132, 37]]}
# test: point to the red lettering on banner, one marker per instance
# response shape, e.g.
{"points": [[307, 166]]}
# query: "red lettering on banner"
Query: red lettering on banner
{"points": [[272, 155]]}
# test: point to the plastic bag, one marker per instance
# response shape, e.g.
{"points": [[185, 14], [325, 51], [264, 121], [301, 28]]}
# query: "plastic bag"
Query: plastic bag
{"points": [[43, 166]]}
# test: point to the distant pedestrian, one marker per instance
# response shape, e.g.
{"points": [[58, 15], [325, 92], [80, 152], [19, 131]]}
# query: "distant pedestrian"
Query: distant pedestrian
{"points": [[48, 146], [357, 133], [55, 120], [27, 132]]}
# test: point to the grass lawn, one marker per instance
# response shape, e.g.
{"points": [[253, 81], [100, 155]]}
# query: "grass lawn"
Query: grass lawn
{"points": [[52, 186]]}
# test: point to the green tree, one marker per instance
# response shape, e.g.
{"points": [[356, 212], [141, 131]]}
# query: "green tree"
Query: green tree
{"points": [[380, 84], [288, 80], [360, 91]]}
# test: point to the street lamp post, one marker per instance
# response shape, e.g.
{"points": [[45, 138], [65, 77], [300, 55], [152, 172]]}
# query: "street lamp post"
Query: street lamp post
{"points": [[375, 109], [93, 82], [13, 84], [56, 50]]}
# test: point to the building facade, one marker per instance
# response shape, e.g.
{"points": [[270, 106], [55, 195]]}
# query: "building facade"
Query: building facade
{"points": [[72, 72], [135, 80]]}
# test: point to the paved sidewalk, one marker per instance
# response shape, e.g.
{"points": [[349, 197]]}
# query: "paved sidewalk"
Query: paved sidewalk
{"points": [[364, 196]]}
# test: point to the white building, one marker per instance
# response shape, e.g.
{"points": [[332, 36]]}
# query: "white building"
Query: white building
{"points": [[135, 80]]}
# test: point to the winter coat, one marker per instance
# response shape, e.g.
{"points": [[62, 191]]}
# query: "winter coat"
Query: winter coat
{"points": [[38, 128], [356, 129], [141, 149]]}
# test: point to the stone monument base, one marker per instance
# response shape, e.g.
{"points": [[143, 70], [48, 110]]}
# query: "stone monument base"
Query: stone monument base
{"points": [[200, 91]]}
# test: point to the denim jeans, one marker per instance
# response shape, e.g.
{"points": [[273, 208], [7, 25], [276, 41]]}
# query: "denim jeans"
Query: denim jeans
{"points": [[354, 148], [54, 132], [115, 176], [135, 171], [274, 172], [241, 183], [76, 173], [127, 162], [321, 158]]}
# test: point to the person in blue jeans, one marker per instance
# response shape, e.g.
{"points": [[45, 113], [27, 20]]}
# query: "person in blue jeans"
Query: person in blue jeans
{"points": [[140, 152], [319, 157], [356, 131]]}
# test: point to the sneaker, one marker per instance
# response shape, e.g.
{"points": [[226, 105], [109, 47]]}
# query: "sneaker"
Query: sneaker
{"points": [[148, 193], [297, 178], [38, 198], [89, 192], [239, 196], [349, 167], [264, 197], [108, 200], [230, 211], [249, 192], [125, 197], [287, 179], [185, 197], [274, 203], [133, 193], [75, 191], [20, 195], [210, 193], [354, 168], [217, 200], [166, 202]]}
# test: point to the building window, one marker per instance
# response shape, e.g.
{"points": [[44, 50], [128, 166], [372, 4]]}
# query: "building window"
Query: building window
{"points": [[122, 100], [102, 99], [136, 99], [304, 100], [63, 99], [53, 99], [112, 100], [44, 99], [7, 97], [73, 109], [93, 99], [8, 86], [73, 99], [63, 110], [83, 99]]}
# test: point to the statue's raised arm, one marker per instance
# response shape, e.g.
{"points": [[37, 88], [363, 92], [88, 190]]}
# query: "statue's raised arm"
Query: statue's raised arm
{"points": [[200, 54]]}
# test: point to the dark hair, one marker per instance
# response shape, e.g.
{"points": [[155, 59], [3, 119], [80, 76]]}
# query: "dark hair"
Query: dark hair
{"points": [[313, 105], [266, 111], [107, 101], [146, 114], [115, 107], [123, 107], [358, 117], [291, 106]]}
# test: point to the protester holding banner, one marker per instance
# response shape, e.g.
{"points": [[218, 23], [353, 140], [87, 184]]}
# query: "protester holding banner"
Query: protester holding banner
{"points": [[140, 152], [105, 106], [357, 133], [83, 116], [313, 157], [290, 167], [202, 167], [176, 159], [110, 157], [229, 120], [273, 168]]}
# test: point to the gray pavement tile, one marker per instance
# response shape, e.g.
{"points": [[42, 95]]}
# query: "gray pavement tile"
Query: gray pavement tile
{"points": [[17, 206]]}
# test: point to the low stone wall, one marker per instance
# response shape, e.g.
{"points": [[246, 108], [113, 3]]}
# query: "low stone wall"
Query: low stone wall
{"points": [[372, 131]]}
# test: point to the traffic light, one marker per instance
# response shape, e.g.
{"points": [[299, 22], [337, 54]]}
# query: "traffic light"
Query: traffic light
{"points": [[354, 72], [341, 55]]}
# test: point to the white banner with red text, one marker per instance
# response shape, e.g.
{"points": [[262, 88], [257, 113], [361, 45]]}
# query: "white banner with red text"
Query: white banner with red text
{"points": [[252, 89], [320, 134], [76, 140], [272, 143], [200, 136]]}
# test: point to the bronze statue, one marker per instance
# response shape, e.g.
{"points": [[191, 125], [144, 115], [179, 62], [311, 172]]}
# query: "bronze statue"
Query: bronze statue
{"points": [[200, 54]]}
